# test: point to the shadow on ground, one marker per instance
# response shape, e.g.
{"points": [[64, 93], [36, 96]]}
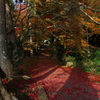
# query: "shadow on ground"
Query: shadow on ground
{"points": [[77, 87]]}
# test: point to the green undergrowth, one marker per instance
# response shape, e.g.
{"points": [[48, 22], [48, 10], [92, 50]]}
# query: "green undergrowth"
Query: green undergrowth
{"points": [[92, 62], [89, 62]]}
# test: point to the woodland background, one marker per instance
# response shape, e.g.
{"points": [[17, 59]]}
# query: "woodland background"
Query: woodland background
{"points": [[69, 29]]}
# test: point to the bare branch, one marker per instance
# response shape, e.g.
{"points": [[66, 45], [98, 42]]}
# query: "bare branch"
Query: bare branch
{"points": [[88, 15], [80, 7]]}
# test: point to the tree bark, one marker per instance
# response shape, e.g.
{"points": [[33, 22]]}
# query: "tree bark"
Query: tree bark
{"points": [[11, 33], [9, 23], [5, 62], [4, 95]]}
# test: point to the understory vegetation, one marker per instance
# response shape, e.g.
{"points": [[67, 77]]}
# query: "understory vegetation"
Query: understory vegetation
{"points": [[89, 62]]}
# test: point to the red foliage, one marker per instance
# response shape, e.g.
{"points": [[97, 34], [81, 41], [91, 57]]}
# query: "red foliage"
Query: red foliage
{"points": [[59, 82], [85, 0], [89, 11], [46, 16], [18, 28]]}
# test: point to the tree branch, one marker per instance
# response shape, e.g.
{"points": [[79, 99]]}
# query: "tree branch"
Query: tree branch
{"points": [[88, 15]]}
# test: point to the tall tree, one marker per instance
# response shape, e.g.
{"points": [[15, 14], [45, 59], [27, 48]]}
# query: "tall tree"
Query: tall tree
{"points": [[5, 62], [9, 23], [12, 39]]}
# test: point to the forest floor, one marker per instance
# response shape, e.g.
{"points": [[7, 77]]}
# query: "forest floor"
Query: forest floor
{"points": [[42, 78]]}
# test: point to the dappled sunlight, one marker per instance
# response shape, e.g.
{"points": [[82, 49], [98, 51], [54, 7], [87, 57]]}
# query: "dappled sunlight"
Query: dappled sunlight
{"points": [[71, 85], [59, 82], [50, 49]]}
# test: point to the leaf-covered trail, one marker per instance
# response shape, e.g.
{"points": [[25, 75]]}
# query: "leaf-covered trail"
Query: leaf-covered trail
{"points": [[62, 84]]}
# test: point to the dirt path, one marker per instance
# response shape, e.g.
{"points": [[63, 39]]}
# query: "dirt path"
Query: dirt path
{"points": [[59, 84]]}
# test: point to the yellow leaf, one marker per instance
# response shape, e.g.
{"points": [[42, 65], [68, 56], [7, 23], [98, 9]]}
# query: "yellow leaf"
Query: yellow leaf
{"points": [[62, 36], [48, 19]]}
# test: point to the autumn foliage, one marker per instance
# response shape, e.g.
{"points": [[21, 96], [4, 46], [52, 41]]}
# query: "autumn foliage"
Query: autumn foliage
{"points": [[65, 20]]}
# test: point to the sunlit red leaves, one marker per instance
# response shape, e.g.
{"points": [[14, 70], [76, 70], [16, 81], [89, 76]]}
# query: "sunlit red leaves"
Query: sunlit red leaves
{"points": [[59, 82], [69, 68], [89, 12], [64, 86], [5, 80], [18, 29]]}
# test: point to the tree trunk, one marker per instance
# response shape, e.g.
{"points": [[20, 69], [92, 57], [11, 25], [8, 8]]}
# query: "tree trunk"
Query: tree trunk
{"points": [[4, 95], [9, 23], [5, 63], [11, 34]]}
